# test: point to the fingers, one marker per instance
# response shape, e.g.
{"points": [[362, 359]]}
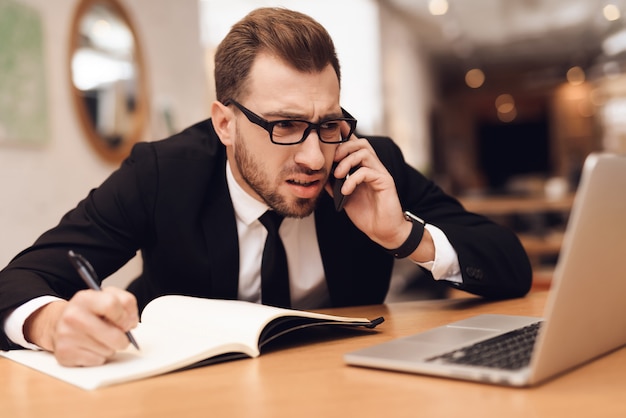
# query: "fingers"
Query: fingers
{"points": [[93, 327], [125, 318], [349, 147], [358, 159], [372, 202]]}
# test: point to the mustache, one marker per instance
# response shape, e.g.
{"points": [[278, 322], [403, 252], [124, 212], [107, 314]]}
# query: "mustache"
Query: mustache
{"points": [[290, 171]]}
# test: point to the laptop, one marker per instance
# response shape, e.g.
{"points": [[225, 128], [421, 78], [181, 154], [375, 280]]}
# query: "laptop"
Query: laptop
{"points": [[584, 317]]}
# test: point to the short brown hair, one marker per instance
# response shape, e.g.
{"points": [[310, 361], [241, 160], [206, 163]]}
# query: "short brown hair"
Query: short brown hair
{"points": [[294, 37]]}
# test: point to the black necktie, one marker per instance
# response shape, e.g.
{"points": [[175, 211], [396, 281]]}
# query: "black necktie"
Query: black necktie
{"points": [[274, 272]]}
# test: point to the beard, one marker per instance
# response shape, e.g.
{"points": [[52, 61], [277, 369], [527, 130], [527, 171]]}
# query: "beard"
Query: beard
{"points": [[253, 172]]}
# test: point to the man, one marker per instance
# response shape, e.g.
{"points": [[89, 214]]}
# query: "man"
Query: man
{"points": [[191, 204]]}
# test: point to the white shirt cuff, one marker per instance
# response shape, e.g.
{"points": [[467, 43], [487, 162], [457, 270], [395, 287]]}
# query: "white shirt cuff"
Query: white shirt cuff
{"points": [[446, 264], [14, 322]]}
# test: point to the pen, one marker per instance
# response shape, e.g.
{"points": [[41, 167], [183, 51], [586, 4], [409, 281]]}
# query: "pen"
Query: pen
{"points": [[88, 274]]}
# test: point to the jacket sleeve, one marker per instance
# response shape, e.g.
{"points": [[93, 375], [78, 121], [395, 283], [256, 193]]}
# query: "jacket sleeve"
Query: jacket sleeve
{"points": [[493, 262], [103, 227]]}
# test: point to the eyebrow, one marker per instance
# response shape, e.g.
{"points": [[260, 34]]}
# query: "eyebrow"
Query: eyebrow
{"points": [[299, 116]]}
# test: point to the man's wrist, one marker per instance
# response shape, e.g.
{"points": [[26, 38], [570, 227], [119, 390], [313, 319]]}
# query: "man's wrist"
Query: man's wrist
{"points": [[442, 261], [15, 320], [413, 240], [39, 327]]}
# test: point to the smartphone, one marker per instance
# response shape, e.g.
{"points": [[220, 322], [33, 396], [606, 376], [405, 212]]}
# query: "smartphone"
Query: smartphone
{"points": [[337, 183]]}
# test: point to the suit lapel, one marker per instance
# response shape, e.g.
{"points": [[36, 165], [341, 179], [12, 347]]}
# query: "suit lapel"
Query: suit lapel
{"points": [[357, 271], [220, 230], [331, 230]]}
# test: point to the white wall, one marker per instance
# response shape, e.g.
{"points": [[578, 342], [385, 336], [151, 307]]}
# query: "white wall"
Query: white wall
{"points": [[407, 87], [38, 185]]}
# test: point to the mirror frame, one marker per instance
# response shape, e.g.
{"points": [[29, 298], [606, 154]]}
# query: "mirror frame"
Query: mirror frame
{"points": [[140, 117]]}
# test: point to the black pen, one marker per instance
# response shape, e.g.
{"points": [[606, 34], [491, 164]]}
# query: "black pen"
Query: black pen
{"points": [[88, 274]]}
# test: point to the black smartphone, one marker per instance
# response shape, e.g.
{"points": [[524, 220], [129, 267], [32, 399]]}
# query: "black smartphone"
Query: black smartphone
{"points": [[337, 183]]}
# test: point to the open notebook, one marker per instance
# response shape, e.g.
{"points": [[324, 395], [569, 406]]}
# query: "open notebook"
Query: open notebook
{"points": [[585, 314]]}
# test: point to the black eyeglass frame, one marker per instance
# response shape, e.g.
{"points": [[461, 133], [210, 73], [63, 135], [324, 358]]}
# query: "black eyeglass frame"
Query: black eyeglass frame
{"points": [[269, 125]]}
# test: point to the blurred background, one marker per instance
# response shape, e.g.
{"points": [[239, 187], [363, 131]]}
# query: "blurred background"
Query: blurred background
{"points": [[499, 101]]}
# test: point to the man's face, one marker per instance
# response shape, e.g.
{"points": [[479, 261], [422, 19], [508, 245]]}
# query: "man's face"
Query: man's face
{"points": [[289, 178]]}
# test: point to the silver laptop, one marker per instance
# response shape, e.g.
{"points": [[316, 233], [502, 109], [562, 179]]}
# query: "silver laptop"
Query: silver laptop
{"points": [[584, 317]]}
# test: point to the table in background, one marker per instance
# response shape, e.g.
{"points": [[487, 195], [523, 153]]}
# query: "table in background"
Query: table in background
{"points": [[311, 380], [542, 241]]}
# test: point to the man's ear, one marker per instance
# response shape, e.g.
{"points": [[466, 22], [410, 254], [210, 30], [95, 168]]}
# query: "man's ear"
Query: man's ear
{"points": [[223, 122]]}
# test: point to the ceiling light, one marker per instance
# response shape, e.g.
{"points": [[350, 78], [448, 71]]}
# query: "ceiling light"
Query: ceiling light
{"points": [[438, 7], [611, 12], [505, 103], [474, 78], [615, 43], [576, 75]]}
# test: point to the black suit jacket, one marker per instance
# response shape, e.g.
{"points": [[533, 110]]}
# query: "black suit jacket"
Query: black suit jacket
{"points": [[170, 200]]}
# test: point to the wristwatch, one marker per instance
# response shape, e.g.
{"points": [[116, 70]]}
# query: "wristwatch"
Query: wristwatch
{"points": [[414, 238]]}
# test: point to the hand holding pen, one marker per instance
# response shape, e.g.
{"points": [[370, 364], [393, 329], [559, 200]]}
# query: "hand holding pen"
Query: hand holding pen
{"points": [[88, 274]]}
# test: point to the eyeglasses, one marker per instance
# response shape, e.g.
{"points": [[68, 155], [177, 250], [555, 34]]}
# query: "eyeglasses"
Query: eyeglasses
{"points": [[295, 131]]}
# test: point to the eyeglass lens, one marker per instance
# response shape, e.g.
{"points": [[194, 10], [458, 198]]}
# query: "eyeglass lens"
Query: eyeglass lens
{"points": [[293, 131]]}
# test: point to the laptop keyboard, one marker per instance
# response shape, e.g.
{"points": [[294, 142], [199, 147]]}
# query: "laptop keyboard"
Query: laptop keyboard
{"points": [[509, 351]]}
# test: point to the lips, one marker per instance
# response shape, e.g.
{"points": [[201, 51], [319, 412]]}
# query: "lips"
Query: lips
{"points": [[305, 189], [303, 183]]}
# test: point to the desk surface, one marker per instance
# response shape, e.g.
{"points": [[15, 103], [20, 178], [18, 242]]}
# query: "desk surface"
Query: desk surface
{"points": [[302, 380]]}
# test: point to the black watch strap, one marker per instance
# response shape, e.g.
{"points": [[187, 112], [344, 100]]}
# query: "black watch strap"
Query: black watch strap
{"points": [[414, 239]]}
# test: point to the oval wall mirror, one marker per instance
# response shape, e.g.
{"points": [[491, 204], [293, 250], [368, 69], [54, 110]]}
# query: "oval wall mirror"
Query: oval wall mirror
{"points": [[107, 77]]}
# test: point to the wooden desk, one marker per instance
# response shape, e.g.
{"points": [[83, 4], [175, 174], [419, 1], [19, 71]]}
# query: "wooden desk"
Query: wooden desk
{"points": [[311, 380]]}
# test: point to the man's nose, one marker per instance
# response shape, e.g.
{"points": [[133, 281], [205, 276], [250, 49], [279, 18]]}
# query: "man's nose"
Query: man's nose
{"points": [[310, 152]]}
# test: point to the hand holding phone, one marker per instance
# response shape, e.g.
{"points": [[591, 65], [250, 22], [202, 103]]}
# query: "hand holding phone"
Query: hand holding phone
{"points": [[337, 184]]}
